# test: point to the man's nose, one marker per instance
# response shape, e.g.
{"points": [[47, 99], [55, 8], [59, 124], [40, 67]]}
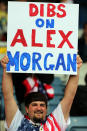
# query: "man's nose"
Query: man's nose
{"points": [[38, 107]]}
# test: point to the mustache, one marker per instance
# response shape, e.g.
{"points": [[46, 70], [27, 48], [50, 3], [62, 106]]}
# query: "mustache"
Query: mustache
{"points": [[38, 111]]}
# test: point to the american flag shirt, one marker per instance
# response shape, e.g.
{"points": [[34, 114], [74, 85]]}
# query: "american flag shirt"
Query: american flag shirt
{"points": [[54, 122]]}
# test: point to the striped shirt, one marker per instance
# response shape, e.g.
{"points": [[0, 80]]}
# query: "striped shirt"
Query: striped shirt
{"points": [[54, 122]]}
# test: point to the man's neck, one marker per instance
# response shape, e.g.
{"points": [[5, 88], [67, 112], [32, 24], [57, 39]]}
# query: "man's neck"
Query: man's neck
{"points": [[35, 123]]}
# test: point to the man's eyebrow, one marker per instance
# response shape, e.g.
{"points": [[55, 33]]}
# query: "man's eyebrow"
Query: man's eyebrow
{"points": [[43, 104], [34, 103]]}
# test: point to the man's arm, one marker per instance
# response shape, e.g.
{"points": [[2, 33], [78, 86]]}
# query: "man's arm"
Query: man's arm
{"points": [[70, 91], [7, 88]]}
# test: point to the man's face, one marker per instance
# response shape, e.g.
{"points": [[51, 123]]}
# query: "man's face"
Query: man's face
{"points": [[37, 111]]}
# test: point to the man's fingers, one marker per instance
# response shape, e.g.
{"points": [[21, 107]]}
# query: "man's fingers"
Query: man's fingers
{"points": [[5, 60], [79, 61], [79, 65]]}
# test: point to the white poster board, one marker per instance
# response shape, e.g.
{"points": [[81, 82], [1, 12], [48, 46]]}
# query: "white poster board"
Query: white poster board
{"points": [[42, 37]]}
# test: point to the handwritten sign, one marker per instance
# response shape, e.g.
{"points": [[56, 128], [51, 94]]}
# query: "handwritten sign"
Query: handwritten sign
{"points": [[42, 37]]}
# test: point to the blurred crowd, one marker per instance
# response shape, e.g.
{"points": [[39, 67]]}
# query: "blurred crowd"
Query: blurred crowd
{"points": [[3, 21]]}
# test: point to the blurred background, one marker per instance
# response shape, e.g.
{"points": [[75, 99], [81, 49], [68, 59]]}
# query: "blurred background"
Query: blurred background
{"points": [[56, 83]]}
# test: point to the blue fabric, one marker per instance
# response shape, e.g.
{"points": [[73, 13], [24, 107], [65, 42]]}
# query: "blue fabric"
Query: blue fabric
{"points": [[27, 126]]}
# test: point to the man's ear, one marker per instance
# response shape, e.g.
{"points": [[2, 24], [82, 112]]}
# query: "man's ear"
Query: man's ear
{"points": [[26, 109]]}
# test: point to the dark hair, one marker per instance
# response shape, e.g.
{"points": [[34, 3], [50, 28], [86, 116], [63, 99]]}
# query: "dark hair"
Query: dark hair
{"points": [[35, 96]]}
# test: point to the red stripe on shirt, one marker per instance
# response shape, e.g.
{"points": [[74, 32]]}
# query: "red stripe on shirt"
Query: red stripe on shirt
{"points": [[45, 127], [55, 122], [51, 123]]}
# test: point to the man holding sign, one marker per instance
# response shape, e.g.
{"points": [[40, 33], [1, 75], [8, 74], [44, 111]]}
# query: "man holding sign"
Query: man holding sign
{"points": [[36, 106], [41, 39]]}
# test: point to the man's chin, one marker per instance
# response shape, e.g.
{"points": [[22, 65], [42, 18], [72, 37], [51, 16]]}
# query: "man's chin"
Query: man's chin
{"points": [[37, 119]]}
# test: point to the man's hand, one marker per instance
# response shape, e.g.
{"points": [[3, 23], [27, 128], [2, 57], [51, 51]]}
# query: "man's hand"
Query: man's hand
{"points": [[79, 62], [4, 61]]}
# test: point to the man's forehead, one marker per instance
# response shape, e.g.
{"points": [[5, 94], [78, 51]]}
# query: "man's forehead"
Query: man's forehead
{"points": [[38, 102]]}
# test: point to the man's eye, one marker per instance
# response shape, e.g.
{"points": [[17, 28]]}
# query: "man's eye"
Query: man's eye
{"points": [[43, 105]]}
